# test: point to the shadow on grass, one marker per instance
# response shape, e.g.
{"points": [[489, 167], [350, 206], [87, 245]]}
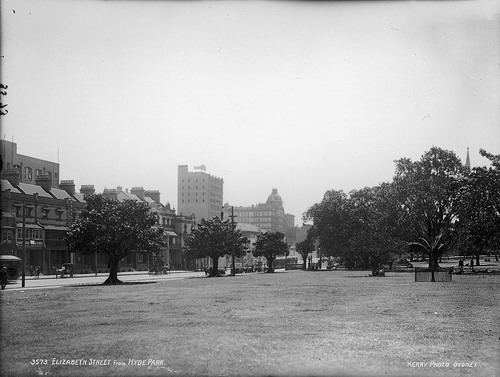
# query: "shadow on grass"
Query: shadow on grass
{"points": [[112, 285]]}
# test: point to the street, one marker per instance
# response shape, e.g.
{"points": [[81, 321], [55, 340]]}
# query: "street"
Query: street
{"points": [[50, 281]]}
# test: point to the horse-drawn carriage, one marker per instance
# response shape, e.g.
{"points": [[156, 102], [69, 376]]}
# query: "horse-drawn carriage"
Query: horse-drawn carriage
{"points": [[159, 269], [66, 270]]}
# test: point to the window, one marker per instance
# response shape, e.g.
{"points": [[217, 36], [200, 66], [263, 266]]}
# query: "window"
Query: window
{"points": [[28, 173], [140, 257], [38, 173], [6, 236], [31, 234]]}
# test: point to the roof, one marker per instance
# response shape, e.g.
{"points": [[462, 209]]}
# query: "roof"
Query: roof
{"points": [[34, 189], [60, 194], [244, 227], [7, 186], [122, 196], [79, 197]]}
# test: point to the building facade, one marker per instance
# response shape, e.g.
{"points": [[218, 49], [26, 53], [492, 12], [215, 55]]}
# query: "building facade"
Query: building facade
{"points": [[199, 193], [35, 220], [175, 229], [268, 217], [28, 168]]}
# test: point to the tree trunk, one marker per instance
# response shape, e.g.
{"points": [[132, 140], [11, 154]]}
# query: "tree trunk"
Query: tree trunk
{"points": [[477, 258], [113, 262], [215, 267], [270, 267], [304, 263]]}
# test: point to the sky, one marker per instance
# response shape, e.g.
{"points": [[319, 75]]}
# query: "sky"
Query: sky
{"points": [[300, 96]]}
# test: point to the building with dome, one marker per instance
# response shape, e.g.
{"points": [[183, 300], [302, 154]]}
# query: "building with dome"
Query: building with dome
{"points": [[268, 217]]}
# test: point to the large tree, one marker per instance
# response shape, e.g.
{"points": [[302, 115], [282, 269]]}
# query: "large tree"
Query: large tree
{"points": [[270, 245], [362, 227], [306, 247], [332, 222], [427, 194], [115, 229], [215, 238], [478, 208]]}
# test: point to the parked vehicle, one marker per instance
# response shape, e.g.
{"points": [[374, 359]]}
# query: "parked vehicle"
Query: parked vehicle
{"points": [[13, 265], [66, 270]]}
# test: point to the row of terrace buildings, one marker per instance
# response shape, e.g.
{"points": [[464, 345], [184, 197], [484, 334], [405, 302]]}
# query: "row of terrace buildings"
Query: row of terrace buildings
{"points": [[33, 198]]}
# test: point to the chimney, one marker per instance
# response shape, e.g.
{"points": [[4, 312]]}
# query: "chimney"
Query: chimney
{"points": [[44, 181], [110, 193], [68, 186], [87, 190], [139, 191], [11, 175], [153, 194]]}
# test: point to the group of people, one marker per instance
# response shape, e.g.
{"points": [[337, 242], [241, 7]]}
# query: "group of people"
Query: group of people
{"points": [[461, 264], [35, 271]]}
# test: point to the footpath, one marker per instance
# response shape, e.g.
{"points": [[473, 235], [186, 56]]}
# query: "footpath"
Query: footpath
{"points": [[50, 281]]}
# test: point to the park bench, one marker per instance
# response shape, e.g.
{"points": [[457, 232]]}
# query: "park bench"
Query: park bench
{"points": [[432, 274]]}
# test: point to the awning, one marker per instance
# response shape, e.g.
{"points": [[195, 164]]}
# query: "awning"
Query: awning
{"points": [[171, 234], [30, 226], [9, 258], [55, 227]]}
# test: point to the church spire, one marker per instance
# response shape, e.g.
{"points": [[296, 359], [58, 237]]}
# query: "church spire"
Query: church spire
{"points": [[467, 160]]}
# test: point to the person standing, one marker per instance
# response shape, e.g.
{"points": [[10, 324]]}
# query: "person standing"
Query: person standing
{"points": [[3, 276]]}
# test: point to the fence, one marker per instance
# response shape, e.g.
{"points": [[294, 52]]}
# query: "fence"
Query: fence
{"points": [[432, 274]]}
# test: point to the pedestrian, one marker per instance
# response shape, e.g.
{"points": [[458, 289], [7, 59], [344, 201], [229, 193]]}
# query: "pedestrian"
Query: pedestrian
{"points": [[461, 265], [37, 271], [3, 276], [472, 264]]}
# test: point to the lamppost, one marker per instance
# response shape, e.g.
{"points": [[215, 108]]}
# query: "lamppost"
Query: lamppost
{"points": [[23, 281], [232, 216]]}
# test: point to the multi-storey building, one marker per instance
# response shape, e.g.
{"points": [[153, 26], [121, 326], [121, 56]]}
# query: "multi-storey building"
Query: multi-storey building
{"points": [[175, 229], [269, 216], [28, 168], [35, 220], [199, 193]]}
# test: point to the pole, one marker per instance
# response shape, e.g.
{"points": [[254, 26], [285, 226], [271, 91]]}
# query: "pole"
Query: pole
{"points": [[233, 270], [23, 282], [96, 263]]}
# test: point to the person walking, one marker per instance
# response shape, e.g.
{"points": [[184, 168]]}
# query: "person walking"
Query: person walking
{"points": [[3, 276], [461, 265], [472, 264]]}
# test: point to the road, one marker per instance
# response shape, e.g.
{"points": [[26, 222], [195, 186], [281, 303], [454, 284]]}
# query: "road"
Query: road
{"points": [[50, 281]]}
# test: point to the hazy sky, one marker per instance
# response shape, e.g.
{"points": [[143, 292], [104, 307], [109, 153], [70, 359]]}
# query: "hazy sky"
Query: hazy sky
{"points": [[300, 96]]}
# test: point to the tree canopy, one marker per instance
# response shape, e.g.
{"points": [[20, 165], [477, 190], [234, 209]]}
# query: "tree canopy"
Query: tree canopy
{"points": [[478, 208], [360, 227], [430, 205], [215, 238], [270, 245], [427, 191], [116, 229], [305, 247]]}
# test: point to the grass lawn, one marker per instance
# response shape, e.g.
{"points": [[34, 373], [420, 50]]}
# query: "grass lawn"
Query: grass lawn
{"points": [[298, 323]]}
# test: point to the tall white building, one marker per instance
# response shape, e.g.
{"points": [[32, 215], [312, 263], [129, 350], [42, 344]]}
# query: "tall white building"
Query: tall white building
{"points": [[199, 193]]}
